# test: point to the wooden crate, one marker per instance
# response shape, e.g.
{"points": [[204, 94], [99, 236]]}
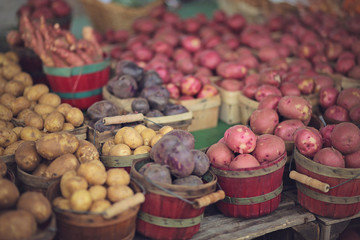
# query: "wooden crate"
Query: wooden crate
{"points": [[205, 112]]}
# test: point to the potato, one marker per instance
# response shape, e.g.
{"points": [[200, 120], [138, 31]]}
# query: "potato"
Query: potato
{"points": [[34, 120], [30, 134], [10, 125], [51, 99], [37, 204], [17, 224], [132, 138], [40, 170], [240, 139], [53, 145], [62, 203], [1, 151], [243, 161], [68, 127], [268, 148], [43, 109], [3, 123], [120, 150], [70, 184], [220, 155], [80, 200], [5, 113], [147, 134], [97, 192], [119, 192], [142, 150], [93, 173], [12, 56], [6, 99], [3, 169], [99, 206], [295, 107], [264, 121], [7, 137], [165, 129], [19, 104], [75, 116], [329, 156], [117, 176], [119, 135], [105, 150], [287, 128], [11, 70], [26, 156], [15, 88], [87, 152], [346, 137], [9, 193], [10, 150], [155, 139], [140, 127], [36, 91], [61, 165], [24, 78], [22, 114], [2, 85], [308, 141], [54, 122], [63, 108]]}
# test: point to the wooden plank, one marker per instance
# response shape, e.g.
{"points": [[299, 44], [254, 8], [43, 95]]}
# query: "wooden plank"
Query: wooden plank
{"points": [[331, 221], [309, 230]]}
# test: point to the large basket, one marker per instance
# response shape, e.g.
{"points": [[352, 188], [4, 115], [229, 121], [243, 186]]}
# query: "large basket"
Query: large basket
{"points": [[251, 192], [105, 16]]}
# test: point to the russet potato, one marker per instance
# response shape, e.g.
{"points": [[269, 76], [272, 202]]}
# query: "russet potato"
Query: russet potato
{"points": [[17, 224], [86, 152], [105, 150], [26, 156], [37, 204], [75, 117], [51, 99], [9, 193], [54, 122], [10, 150], [15, 88], [36, 91], [30, 134], [61, 165], [5, 113], [7, 137], [93, 173], [132, 138]]}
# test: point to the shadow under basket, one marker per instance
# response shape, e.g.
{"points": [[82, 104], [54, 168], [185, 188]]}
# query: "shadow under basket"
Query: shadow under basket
{"points": [[342, 198], [251, 192], [79, 86], [166, 216]]}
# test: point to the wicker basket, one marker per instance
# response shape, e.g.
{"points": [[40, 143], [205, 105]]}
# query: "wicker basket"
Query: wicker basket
{"points": [[115, 16]]}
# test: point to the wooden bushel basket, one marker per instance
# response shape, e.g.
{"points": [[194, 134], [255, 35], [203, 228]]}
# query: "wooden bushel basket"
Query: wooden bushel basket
{"points": [[326, 191], [109, 225], [122, 162], [173, 211], [251, 192]]}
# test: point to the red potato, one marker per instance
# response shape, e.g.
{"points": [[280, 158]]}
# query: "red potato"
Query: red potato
{"points": [[330, 157], [159, 46], [269, 102], [308, 141], [333, 50], [294, 107], [322, 81], [268, 53], [203, 71], [173, 90], [323, 67], [264, 121], [185, 65], [283, 51], [206, 91], [253, 79], [190, 85], [163, 73], [60, 8], [181, 53], [348, 98], [244, 51], [243, 161], [336, 114], [306, 50], [143, 54], [175, 76], [249, 61], [352, 160], [191, 43], [231, 70], [270, 76], [299, 65], [328, 97], [219, 16], [344, 65], [319, 58], [354, 72], [289, 40], [346, 137], [279, 64], [121, 36], [236, 22], [289, 89], [286, 129], [204, 79], [186, 97], [354, 114], [250, 90], [191, 25], [305, 84], [211, 42], [240, 139], [144, 25], [326, 134], [232, 84], [268, 148], [266, 90], [220, 155], [210, 59]]}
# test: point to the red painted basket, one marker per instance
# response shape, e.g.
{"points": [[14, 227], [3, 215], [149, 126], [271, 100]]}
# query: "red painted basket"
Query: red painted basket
{"points": [[173, 211], [251, 192], [341, 197], [79, 86]]}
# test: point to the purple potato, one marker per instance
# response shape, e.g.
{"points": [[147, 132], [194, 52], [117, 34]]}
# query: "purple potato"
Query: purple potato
{"points": [[103, 109], [157, 96], [154, 113], [185, 137], [124, 86], [202, 162], [151, 78], [159, 151], [140, 105], [158, 173], [126, 67], [173, 109], [180, 161], [99, 126], [191, 180]]}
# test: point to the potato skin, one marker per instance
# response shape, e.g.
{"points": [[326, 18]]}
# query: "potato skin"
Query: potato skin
{"points": [[36, 91], [86, 152], [34, 120], [75, 117], [15, 88], [294, 107], [54, 122], [5, 113], [17, 224], [26, 156], [24, 78], [19, 104], [50, 99], [54, 145], [37, 204], [7, 137], [30, 134], [10, 150], [61, 165], [9, 193]]}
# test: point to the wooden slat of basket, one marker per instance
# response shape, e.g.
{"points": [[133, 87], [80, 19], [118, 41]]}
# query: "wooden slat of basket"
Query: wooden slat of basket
{"points": [[105, 16]]}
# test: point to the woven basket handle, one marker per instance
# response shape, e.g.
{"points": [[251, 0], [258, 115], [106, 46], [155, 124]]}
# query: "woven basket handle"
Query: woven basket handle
{"points": [[208, 199], [314, 183], [123, 119], [123, 205]]}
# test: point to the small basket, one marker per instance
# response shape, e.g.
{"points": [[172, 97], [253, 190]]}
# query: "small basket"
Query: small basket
{"points": [[79, 86], [105, 16]]}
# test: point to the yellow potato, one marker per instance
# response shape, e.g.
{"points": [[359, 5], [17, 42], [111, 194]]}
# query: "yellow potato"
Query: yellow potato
{"points": [[34, 92], [93, 173], [12, 56], [43, 109], [10, 125], [6, 99], [105, 150], [71, 185], [80, 200], [19, 104], [75, 117], [37, 204], [86, 152], [3, 123], [30, 134], [117, 176], [10, 150], [5, 113], [155, 139], [165, 129], [7, 137], [34, 120], [61, 165], [9, 193], [68, 127], [119, 192], [119, 135], [17, 130], [97, 192], [24, 78], [132, 138], [140, 127], [62, 203], [40, 170], [15, 88], [120, 150], [64, 108], [51, 99], [22, 114], [147, 134], [11, 70], [26, 156], [142, 150], [54, 122], [99, 206]]}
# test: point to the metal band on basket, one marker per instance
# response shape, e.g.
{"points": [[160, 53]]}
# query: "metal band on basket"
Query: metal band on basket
{"points": [[254, 200], [170, 222], [327, 198]]}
